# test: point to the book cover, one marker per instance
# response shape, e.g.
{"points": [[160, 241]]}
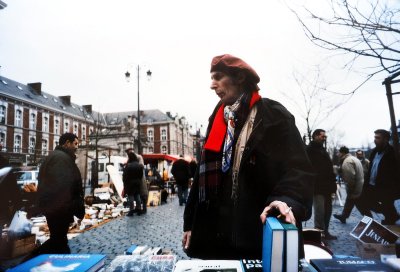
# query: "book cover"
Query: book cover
{"points": [[273, 245], [62, 262], [370, 231], [143, 263], [208, 266], [131, 249], [349, 265], [291, 254], [251, 265]]}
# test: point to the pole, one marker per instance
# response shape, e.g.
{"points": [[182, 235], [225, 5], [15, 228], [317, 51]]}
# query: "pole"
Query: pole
{"points": [[395, 136], [138, 112]]}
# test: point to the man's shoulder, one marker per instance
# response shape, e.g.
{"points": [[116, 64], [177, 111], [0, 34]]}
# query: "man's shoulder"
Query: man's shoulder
{"points": [[276, 107]]}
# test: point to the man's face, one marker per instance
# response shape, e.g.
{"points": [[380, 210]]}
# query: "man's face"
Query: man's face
{"points": [[380, 141], [225, 88], [320, 138], [359, 155], [73, 146]]}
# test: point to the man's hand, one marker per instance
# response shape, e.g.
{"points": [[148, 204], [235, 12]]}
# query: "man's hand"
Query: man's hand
{"points": [[278, 207], [186, 239]]}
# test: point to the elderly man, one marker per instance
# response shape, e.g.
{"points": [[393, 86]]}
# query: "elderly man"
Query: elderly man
{"points": [[253, 164], [351, 171]]}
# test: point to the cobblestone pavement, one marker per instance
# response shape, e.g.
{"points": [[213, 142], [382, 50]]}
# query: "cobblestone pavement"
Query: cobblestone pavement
{"points": [[162, 227]]}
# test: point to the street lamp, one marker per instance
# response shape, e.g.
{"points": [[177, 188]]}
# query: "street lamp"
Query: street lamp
{"points": [[128, 76]]}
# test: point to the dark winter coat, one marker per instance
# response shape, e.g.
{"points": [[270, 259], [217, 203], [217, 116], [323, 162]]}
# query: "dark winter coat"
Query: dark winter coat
{"points": [[60, 185], [132, 177], [388, 177], [274, 166], [181, 171], [325, 182]]}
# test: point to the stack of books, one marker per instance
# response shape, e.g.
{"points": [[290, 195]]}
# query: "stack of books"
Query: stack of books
{"points": [[280, 250]]}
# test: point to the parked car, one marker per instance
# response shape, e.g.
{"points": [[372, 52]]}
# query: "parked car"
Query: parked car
{"points": [[27, 177]]}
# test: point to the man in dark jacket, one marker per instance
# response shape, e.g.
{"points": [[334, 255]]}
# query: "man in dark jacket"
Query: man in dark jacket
{"points": [[382, 186], [132, 177], [325, 183], [60, 194], [253, 164], [181, 171]]}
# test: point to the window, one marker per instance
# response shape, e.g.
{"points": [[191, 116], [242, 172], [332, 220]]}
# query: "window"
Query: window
{"points": [[3, 141], [66, 127], [17, 144], [84, 133], [150, 135], [32, 143], [18, 118], [3, 111], [57, 126], [44, 147], [163, 149], [32, 121], [163, 134], [151, 149], [76, 129], [46, 124]]}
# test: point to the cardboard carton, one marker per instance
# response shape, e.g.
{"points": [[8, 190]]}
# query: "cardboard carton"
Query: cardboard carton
{"points": [[11, 248]]}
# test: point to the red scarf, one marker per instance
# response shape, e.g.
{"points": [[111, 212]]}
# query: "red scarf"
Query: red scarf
{"points": [[218, 130]]}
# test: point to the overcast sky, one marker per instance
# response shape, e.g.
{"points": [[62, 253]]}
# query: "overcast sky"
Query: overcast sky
{"points": [[83, 48]]}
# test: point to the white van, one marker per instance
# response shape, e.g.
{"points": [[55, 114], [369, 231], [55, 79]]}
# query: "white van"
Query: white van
{"points": [[117, 161], [27, 177]]}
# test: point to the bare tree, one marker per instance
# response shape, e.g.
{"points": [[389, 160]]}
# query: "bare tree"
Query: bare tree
{"points": [[364, 29], [316, 102]]}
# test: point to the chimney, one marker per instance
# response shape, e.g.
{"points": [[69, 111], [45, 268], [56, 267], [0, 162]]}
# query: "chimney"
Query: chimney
{"points": [[87, 108], [66, 99], [37, 87]]}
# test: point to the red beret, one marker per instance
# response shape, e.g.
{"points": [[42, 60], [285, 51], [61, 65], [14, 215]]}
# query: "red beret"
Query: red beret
{"points": [[228, 63]]}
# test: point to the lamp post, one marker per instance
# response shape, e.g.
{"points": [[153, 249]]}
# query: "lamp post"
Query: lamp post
{"points": [[128, 76]]}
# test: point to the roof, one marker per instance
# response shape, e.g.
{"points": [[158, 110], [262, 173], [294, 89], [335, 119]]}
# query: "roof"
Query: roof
{"points": [[153, 116], [26, 93]]}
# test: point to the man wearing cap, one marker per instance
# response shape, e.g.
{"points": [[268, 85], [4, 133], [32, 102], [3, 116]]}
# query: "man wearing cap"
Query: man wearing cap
{"points": [[253, 164]]}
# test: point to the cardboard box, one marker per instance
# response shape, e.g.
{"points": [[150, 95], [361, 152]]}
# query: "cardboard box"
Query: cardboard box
{"points": [[373, 250], [11, 248]]}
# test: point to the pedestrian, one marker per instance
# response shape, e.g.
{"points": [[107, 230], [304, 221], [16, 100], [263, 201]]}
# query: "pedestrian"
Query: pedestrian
{"points": [[382, 187], [10, 193], [60, 195], [351, 170], [144, 190], [132, 176], [325, 183], [181, 172], [193, 168], [253, 164], [364, 162]]}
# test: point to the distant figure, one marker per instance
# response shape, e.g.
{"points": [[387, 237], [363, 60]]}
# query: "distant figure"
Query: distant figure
{"points": [[351, 171], [181, 171], [132, 177], [165, 177], [193, 168], [10, 193], [383, 184], [60, 195], [325, 183], [364, 161], [144, 191]]}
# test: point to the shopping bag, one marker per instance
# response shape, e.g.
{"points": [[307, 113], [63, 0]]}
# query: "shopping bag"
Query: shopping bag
{"points": [[20, 225]]}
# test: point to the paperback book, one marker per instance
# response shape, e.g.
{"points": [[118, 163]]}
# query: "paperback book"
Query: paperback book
{"points": [[273, 245], [251, 265], [208, 266], [349, 265], [291, 253], [62, 262], [370, 231]]}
